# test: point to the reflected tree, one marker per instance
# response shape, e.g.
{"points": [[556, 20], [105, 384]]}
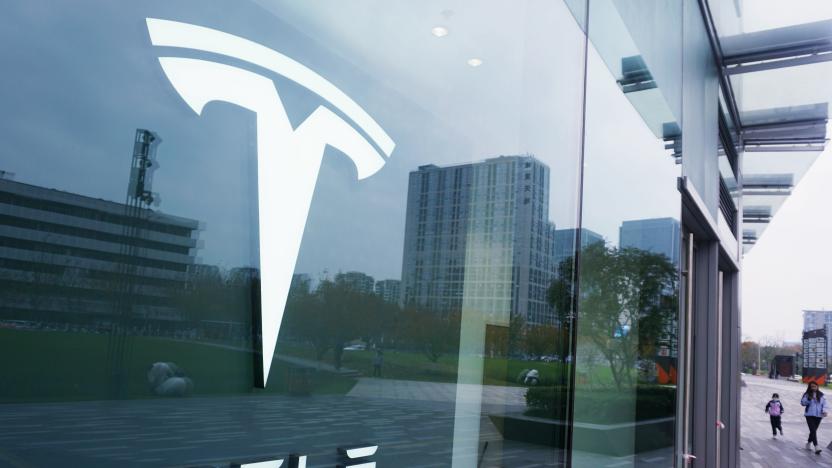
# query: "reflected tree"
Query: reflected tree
{"points": [[627, 304], [216, 302], [516, 333], [541, 340], [334, 314], [433, 334], [496, 341], [305, 319]]}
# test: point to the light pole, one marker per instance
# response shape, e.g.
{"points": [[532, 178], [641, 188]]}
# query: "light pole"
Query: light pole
{"points": [[758, 358]]}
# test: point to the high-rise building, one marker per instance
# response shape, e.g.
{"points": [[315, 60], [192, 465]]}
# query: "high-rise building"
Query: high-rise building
{"points": [[480, 232], [389, 290], [565, 242], [656, 235], [357, 281], [69, 258], [817, 319], [814, 319]]}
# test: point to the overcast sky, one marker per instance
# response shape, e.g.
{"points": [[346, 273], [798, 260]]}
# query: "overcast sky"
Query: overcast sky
{"points": [[789, 268]]}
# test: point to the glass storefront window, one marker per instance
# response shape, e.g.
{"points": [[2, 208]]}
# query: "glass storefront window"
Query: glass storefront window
{"points": [[428, 152], [628, 270]]}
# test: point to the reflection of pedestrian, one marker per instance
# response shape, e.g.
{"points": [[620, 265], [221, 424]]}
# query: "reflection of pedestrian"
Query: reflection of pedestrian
{"points": [[378, 361], [815, 404]]}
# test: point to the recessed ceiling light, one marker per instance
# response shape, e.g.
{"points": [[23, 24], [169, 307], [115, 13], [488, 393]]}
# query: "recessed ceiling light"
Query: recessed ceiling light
{"points": [[439, 31], [474, 62]]}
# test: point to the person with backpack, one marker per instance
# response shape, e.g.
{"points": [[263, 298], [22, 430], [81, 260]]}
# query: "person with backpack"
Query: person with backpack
{"points": [[775, 409], [815, 404]]}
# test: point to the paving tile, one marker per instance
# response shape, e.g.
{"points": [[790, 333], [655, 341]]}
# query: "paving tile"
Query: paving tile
{"points": [[760, 450]]}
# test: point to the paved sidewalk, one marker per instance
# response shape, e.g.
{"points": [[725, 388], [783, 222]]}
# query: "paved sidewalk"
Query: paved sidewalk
{"points": [[436, 391], [760, 450]]}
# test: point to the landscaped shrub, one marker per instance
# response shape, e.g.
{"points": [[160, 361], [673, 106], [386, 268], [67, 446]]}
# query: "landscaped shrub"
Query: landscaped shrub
{"points": [[604, 406], [545, 401]]}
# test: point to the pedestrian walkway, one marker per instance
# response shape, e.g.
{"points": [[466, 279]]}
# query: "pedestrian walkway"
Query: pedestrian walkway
{"points": [[436, 391], [760, 450]]}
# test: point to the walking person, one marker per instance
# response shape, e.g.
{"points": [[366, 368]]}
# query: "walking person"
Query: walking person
{"points": [[378, 361], [775, 409], [815, 404]]}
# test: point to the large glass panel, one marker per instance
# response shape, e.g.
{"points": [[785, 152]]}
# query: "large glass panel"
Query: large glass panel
{"points": [[402, 176], [625, 387]]}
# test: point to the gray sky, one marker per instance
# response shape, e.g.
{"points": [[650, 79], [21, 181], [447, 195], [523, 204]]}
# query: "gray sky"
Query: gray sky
{"points": [[788, 270]]}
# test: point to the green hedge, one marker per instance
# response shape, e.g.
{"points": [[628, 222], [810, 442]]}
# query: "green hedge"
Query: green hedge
{"points": [[606, 406]]}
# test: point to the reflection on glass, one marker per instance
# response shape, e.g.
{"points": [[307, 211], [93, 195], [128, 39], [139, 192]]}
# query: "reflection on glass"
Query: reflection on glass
{"points": [[421, 317], [626, 356], [627, 304]]}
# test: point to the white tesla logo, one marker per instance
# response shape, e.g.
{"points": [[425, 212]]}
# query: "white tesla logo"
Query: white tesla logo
{"points": [[288, 159]]}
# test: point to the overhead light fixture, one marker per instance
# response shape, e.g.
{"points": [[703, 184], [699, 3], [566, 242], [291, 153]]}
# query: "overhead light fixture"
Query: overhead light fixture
{"points": [[474, 62], [439, 31]]}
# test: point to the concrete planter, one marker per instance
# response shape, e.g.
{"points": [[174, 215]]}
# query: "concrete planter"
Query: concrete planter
{"points": [[608, 439]]}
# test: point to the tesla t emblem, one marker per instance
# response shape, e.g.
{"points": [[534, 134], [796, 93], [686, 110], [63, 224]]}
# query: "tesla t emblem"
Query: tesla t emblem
{"points": [[288, 159]]}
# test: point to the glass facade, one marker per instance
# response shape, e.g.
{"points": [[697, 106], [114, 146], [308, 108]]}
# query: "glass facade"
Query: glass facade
{"points": [[410, 233], [626, 343]]}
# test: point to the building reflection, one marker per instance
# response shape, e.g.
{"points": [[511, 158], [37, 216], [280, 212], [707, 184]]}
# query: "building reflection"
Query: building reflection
{"points": [[75, 267], [479, 249], [656, 235], [62, 254], [478, 241], [659, 236], [480, 233]]}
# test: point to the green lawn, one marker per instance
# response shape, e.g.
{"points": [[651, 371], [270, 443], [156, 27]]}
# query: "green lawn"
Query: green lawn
{"points": [[408, 365], [38, 366]]}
